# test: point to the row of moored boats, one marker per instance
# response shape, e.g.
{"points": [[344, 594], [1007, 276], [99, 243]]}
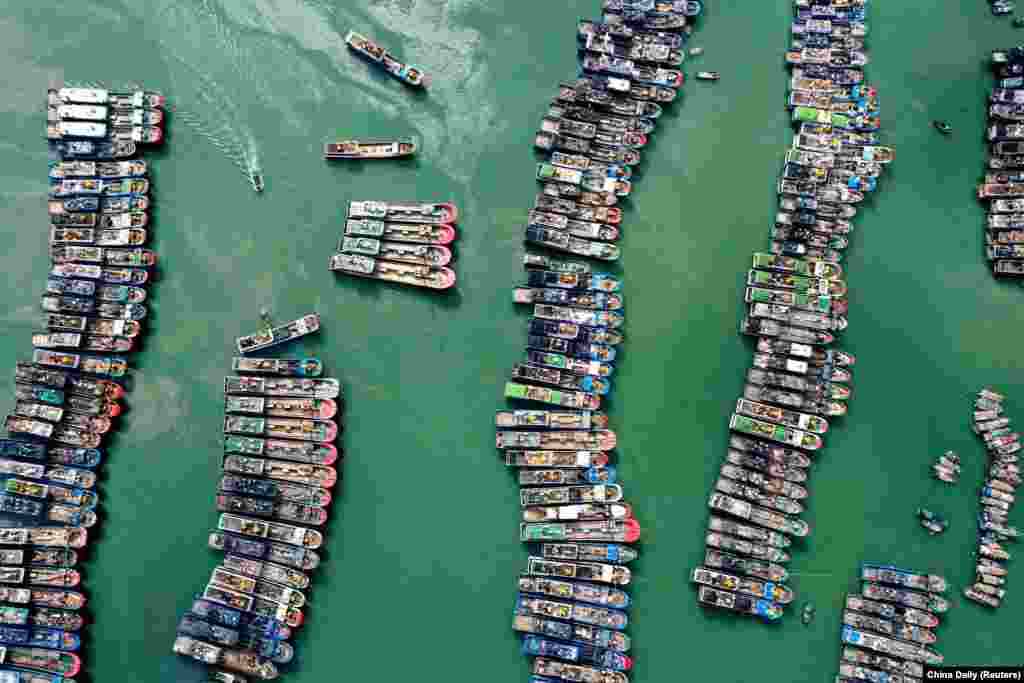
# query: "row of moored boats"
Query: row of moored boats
{"points": [[404, 242], [278, 471], [68, 396], [572, 609], [889, 628], [996, 498], [1002, 187], [797, 385]]}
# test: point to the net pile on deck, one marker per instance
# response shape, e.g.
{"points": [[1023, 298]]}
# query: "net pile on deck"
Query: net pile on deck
{"points": [[571, 608], [278, 470], [1003, 184], [996, 498], [797, 383], [68, 396], [888, 627]]}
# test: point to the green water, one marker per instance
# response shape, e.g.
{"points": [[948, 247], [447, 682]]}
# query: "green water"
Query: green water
{"points": [[419, 568]]}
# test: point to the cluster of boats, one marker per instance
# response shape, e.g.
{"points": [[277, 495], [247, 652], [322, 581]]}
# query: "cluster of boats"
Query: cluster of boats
{"points": [[571, 609], [798, 386], [279, 467], [997, 496], [1002, 187], [404, 242], [104, 117], [68, 396], [887, 629]]}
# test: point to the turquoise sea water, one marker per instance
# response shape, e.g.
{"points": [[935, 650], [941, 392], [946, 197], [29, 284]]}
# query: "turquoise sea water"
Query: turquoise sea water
{"points": [[418, 579]]}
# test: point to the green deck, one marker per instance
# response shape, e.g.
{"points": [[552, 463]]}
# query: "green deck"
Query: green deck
{"points": [[423, 372]]}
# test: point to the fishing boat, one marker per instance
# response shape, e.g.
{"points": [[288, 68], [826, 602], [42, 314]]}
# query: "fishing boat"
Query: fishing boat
{"points": [[576, 653], [97, 255], [126, 276], [426, 255], [901, 577], [290, 598], [767, 590], [924, 601], [283, 386], [579, 195], [598, 440], [899, 648], [315, 476], [567, 459], [370, 149], [784, 456], [67, 130], [743, 546], [894, 612], [764, 609], [131, 100], [756, 534], [756, 568], [272, 531], [773, 486], [402, 273], [571, 611], [399, 232], [613, 553], [763, 327], [790, 418], [604, 596], [67, 537], [615, 531], [407, 73], [278, 335], [564, 241], [405, 212], [295, 451], [303, 408], [551, 419], [317, 430], [98, 150], [905, 631], [575, 672], [613, 574], [812, 355], [567, 399], [600, 214], [566, 495], [570, 364], [582, 511], [599, 282], [793, 437], [807, 402], [282, 367], [102, 238], [761, 516], [981, 597], [567, 477], [750, 493], [237, 660], [260, 507], [276, 489], [890, 664], [764, 465]]}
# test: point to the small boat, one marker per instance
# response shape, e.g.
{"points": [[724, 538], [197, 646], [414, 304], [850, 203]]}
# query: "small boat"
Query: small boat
{"points": [[764, 609], [399, 232], [402, 273], [427, 255], [615, 531], [561, 459], [807, 613], [283, 386], [935, 524], [370, 149], [707, 75], [407, 73]]}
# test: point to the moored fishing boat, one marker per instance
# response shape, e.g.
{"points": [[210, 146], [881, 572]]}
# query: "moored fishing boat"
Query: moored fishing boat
{"points": [[420, 254], [370, 149], [576, 672], [790, 418], [260, 507], [316, 476], [616, 531], [570, 586], [305, 408], [236, 660], [784, 456], [126, 276], [98, 186], [41, 659], [323, 387], [763, 464], [564, 241], [614, 553], [601, 214], [902, 649], [750, 567], [405, 212], [567, 495], [924, 601], [272, 531], [571, 611], [551, 419], [272, 336], [103, 170], [793, 437], [567, 459], [915, 634], [765, 609], [754, 495], [567, 477], [890, 611], [767, 590], [902, 577], [890, 664], [580, 633], [576, 653], [761, 516], [97, 255], [742, 546], [276, 490], [423, 233], [581, 511], [283, 367], [286, 576], [99, 150], [402, 273], [598, 440], [773, 486]]}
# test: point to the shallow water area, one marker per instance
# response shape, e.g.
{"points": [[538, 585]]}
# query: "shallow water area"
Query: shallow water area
{"points": [[422, 552]]}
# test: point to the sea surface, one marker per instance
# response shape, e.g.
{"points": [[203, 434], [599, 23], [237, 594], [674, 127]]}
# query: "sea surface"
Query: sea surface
{"points": [[419, 574]]}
